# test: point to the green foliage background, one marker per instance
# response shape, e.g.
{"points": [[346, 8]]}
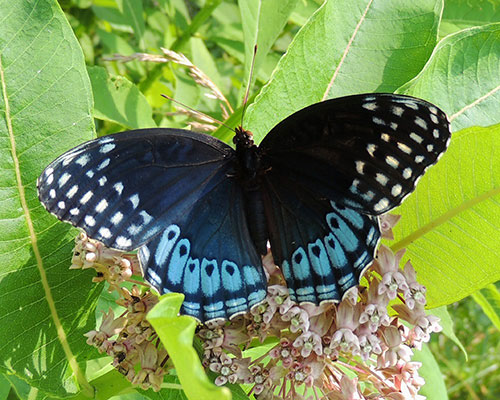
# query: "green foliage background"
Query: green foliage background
{"points": [[57, 82]]}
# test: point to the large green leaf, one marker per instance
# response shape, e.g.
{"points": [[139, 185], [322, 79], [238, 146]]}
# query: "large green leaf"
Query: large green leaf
{"points": [[348, 47], [45, 109], [262, 22], [451, 223], [176, 334], [461, 14], [463, 77]]}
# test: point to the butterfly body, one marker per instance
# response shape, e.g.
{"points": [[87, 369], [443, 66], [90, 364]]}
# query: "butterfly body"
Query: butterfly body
{"points": [[202, 213]]}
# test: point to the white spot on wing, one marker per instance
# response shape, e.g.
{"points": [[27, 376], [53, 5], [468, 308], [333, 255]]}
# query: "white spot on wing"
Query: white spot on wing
{"points": [[83, 160], [61, 205], [107, 148], [370, 148], [74, 211], [118, 187], [50, 179], [385, 137], [86, 197], [420, 122], [52, 193], [390, 160], [370, 106], [49, 171], [404, 148], [396, 190], [381, 178], [63, 179], [433, 109], [381, 205], [134, 229], [105, 232], [72, 191], [430, 147], [416, 138], [434, 119], [117, 218], [122, 241], [89, 220], [146, 217], [378, 121], [359, 167], [419, 159], [398, 111], [90, 173], [407, 173], [394, 126], [104, 164], [134, 200], [102, 180], [101, 206], [435, 132]]}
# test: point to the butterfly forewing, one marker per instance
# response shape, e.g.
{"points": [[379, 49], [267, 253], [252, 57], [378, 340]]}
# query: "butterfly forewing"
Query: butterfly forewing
{"points": [[122, 189], [365, 151]]}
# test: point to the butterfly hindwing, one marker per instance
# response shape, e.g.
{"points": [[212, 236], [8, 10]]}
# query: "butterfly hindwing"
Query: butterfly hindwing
{"points": [[209, 256], [364, 151], [321, 246]]}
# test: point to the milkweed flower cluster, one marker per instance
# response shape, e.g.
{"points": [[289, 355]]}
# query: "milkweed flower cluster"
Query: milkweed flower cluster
{"points": [[360, 348]]}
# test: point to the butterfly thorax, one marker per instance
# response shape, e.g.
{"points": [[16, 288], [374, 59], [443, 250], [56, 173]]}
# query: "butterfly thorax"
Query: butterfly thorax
{"points": [[248, 159], [249, 173]]}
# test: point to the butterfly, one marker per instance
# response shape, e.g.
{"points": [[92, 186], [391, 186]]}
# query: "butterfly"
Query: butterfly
{"points": [[201, 213]]}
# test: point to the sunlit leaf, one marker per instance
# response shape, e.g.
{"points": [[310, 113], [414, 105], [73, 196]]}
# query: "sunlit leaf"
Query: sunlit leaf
{"points": [[45, 109], [346, 48]]}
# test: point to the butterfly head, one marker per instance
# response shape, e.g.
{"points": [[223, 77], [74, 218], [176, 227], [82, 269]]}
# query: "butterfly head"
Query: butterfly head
{"points": [[243, 139]]}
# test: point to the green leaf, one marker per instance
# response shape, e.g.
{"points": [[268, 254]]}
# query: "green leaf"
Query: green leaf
{"points": [[450, 224], [4, 387], [463, 77], [176, 333], [132, 14], [262, 22], [346, 48], [489, 300], [461, 14], [447, 325], [434, 388], [45, 109], [119, 100]]}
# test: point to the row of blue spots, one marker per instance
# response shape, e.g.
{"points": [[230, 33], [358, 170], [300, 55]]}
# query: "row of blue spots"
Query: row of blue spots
{"points": [[204, 279]]}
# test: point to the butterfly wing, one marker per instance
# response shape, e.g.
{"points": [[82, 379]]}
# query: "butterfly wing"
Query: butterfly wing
{"points": [[209, 257], [322, 246], [331, 169], [364, 151], [132, 189]]}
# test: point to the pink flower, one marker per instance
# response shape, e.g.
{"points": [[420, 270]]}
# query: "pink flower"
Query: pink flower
{"points": [[299, 319], [387, 222], [424, 324], [415, 292], [308, 342], [387, 265], [395, 348]]}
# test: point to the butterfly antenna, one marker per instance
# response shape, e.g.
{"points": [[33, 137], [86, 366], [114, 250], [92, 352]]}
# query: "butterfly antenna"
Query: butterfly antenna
{"points": [[214, 120], [247, 91]]}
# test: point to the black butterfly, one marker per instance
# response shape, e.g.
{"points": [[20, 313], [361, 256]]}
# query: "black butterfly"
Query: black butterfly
{"points": [[202, 213]]}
